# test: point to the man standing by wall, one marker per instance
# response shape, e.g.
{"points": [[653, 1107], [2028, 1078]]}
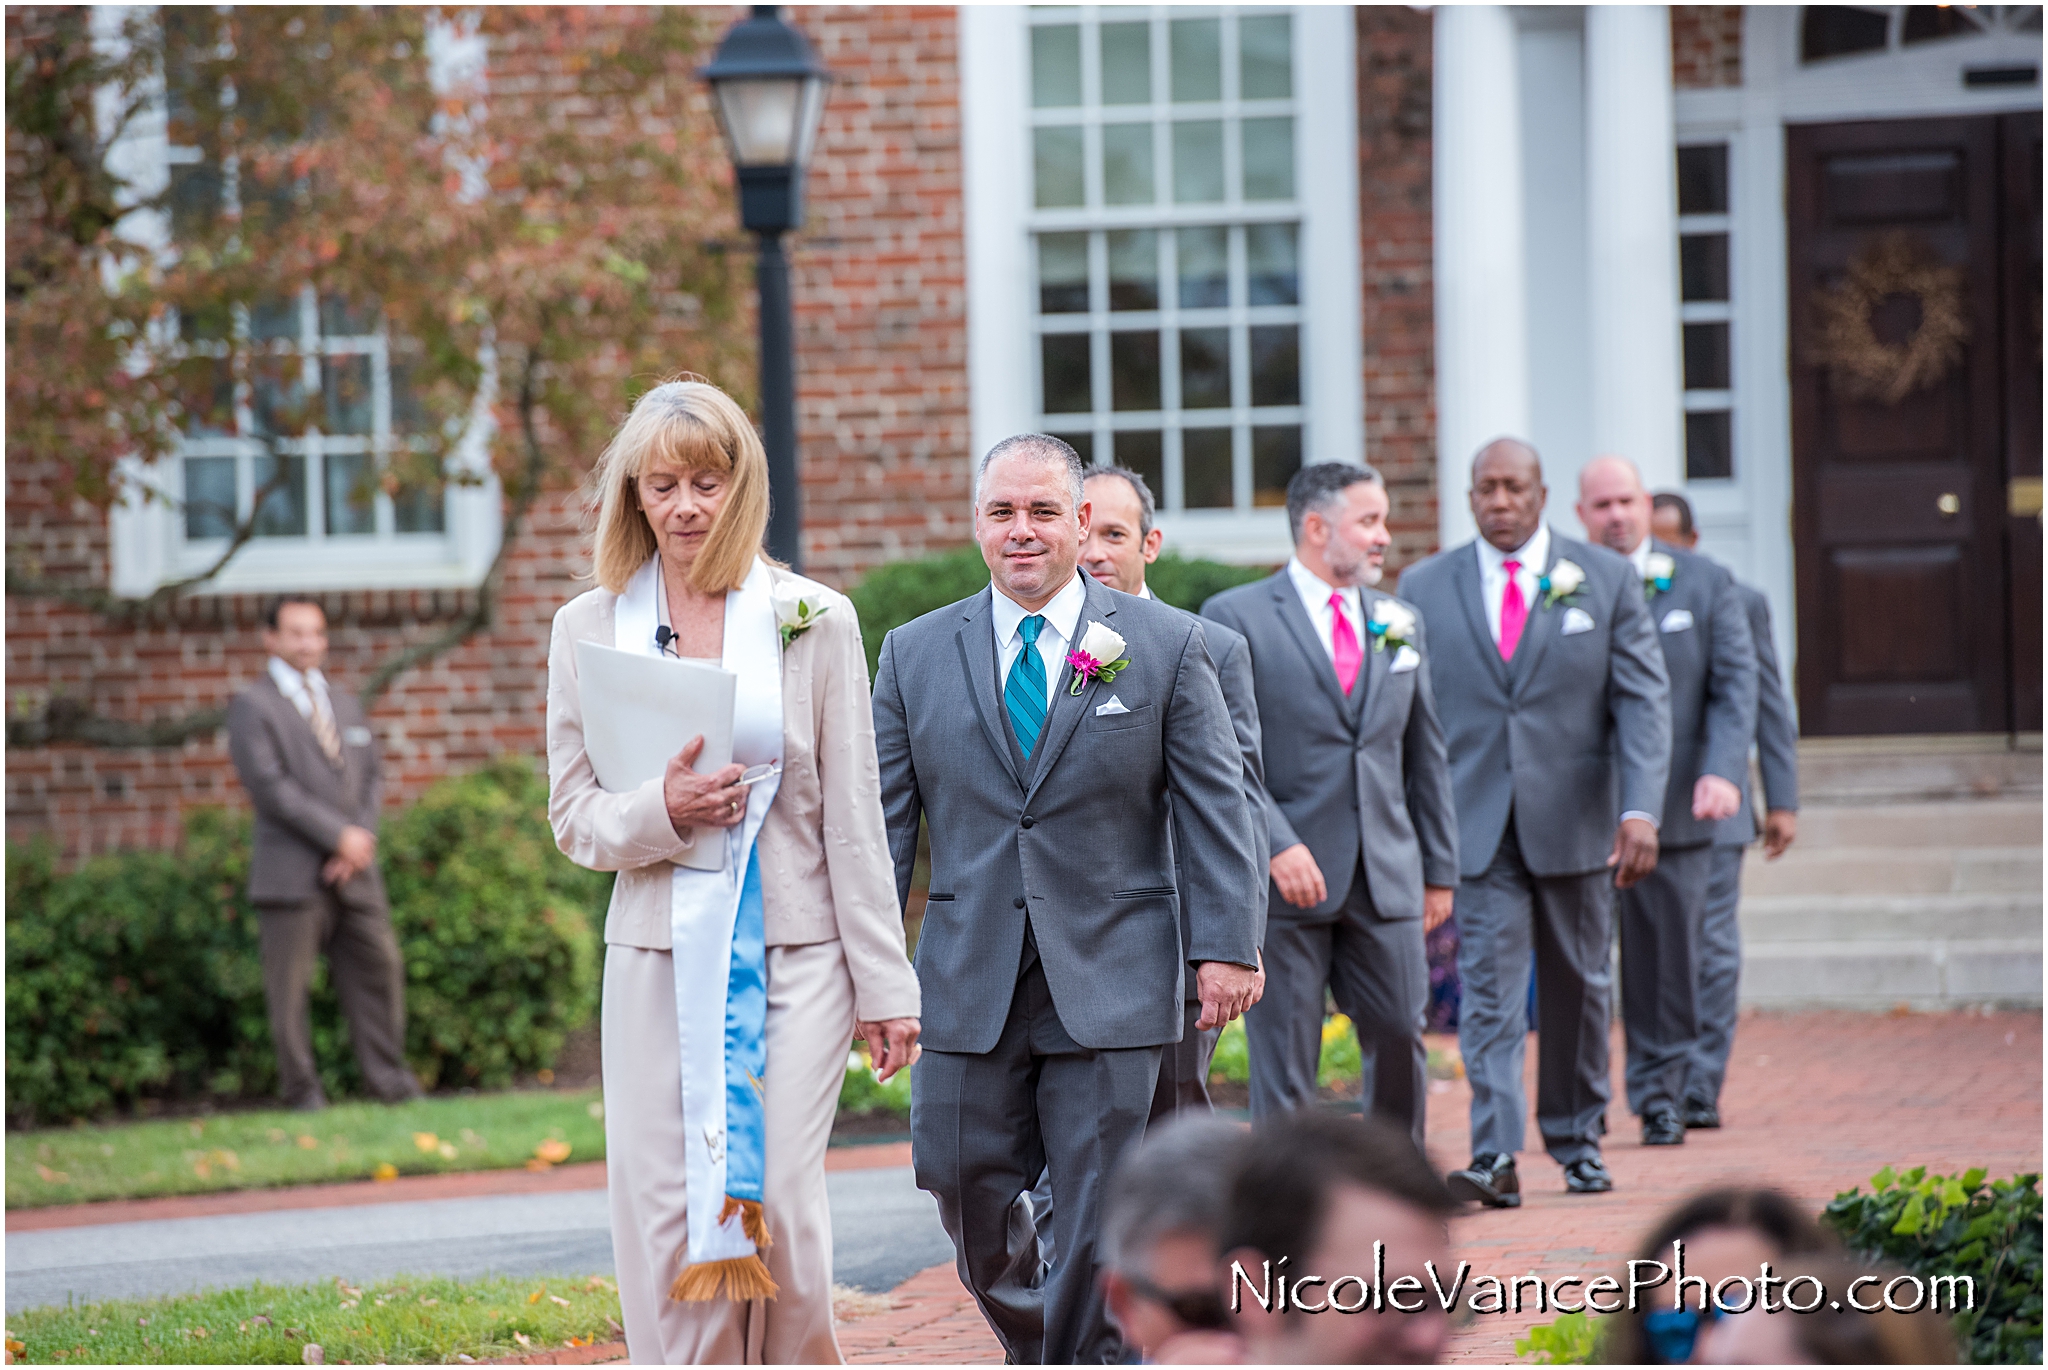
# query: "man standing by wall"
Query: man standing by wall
{"points": [[1363, 828], [1777, 745], [310, 765], [1557, 715], [1703, 632]]}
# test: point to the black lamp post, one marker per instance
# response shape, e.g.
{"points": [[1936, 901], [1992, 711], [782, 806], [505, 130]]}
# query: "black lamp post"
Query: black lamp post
{"points": [[770, 91]]}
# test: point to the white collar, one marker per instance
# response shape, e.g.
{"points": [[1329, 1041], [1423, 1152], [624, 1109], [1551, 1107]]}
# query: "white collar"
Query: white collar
{"points": [[1145, 592], [1533, 554], [291, 682], [1062, 611], [1640, 558], [1309, 585]]}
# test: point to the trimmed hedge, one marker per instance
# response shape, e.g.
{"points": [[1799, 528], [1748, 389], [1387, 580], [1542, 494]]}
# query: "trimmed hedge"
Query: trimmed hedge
{"points": [[137, 975], [892, 595]]}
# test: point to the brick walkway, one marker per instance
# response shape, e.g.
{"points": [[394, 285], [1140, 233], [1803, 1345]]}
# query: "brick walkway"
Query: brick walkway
{"points": [[1816, 1103]]}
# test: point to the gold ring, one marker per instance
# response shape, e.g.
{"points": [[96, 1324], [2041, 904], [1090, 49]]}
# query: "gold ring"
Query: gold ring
{"points": [[734, 806]]}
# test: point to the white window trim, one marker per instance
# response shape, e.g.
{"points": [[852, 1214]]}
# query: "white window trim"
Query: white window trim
{"points": [[1002, 364]]}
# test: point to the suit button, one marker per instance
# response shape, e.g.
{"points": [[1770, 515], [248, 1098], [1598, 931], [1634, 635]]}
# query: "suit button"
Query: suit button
{"points": [[1020, 901], [1029, 821]]}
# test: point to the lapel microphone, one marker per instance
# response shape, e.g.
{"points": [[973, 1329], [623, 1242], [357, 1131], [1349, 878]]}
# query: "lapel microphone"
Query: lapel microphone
{"points": [[663, 636]]}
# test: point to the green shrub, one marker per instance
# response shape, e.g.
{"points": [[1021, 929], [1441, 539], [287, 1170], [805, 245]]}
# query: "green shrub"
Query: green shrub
{"points": [[1933, 1225], [137, 975], [862, 1093], [892, 595], [1573, 1339]]}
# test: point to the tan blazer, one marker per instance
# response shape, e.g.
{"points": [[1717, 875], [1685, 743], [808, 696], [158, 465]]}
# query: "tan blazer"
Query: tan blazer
{"points": [[825, 866]]}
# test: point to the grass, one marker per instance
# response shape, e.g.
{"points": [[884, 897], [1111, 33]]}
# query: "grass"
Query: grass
{"points": [[404, 1321], [351, 1141], [1338, 1067]]}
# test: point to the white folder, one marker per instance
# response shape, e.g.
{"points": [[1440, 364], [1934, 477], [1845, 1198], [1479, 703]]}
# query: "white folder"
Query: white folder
{"points": [[639, 711]]}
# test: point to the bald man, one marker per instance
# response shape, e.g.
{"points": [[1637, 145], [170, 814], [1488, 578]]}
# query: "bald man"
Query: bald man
{"points": [[1703, 631], [1556, 713]]}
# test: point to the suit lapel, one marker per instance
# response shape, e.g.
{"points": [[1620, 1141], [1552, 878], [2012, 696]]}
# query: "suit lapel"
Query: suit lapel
{"points": [[1373, 674], [1304, 634], [977, 643], [300, 728], [1067, 709], [1544, 621], [1472, 598]]}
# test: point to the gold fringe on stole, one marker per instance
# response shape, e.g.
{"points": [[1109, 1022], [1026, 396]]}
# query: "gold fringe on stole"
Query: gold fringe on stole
{"points": [[752, 1221], [739, 1280]]}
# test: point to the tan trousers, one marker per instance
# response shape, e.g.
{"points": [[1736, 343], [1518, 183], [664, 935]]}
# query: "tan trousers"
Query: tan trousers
{"points": [[353, 926], [810, 1026]]}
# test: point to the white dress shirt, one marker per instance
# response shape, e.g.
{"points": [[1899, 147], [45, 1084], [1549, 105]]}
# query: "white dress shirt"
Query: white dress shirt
{"points": [[1493, 574], [1641, 560], [1315, 598], [1062, 626], [301, 689]]}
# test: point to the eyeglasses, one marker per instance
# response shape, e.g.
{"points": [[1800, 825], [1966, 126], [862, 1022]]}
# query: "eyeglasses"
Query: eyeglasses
{"points": [[754, 775], [1673, 1331], [1198, 1308]]}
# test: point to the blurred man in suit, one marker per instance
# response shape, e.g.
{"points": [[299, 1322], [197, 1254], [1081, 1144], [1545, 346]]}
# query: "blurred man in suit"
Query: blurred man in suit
{"points": [[1122, 541], [1777, 745], [1703, 632], [306, 757], [1557, 714], [1363, 827]]}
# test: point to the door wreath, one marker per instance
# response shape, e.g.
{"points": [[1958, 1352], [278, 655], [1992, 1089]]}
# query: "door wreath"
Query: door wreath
{"points": [[1862, 365]]}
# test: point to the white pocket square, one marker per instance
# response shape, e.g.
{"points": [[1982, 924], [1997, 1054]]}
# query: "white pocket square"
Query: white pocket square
{"points": [[1407, 659], [1115, 706], [1677, 621], [356, 737], [1576, 621]]}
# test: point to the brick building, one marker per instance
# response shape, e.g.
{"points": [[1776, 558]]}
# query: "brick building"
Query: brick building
{"points": [[1215, 243]]}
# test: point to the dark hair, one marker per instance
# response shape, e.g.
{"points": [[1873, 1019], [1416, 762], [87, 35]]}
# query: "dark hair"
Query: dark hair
{"points": [[1295, 1161], [1045, 447], [1147, 508], [1774, 1215], [1665, 499], [1317, 488], [1175, 1179], [1842, 1335], [276, 607]]}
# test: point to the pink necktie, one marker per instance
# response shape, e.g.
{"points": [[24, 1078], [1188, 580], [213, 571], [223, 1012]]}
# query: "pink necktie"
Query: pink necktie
{"points": [[1514, 612], [1344, 646]]}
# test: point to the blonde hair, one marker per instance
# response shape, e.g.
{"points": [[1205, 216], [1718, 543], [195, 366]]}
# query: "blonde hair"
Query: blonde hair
{"points": [[685, 425]]}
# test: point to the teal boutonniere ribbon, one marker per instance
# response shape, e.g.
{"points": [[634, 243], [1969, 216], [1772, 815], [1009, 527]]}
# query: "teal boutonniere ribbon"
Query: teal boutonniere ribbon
{"points": [[1658, 569]]}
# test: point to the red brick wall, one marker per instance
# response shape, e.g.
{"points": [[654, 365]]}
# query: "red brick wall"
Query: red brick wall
{"points": [[1397, 240], [1706, 46]]}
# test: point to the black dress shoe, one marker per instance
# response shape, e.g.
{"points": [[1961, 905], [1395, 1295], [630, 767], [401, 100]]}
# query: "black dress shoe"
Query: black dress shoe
{"points": [[1489, 1180], [1588, 1176], [1661, 1127], [1698, 1114]]}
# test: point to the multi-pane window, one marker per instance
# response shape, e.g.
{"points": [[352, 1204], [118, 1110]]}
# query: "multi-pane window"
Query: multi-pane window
{"points": [[1166, 237], [1706, 305]]}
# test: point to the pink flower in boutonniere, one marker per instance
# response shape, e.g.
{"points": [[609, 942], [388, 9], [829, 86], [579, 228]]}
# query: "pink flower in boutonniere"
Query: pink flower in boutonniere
{"points": [[1099, 657]]}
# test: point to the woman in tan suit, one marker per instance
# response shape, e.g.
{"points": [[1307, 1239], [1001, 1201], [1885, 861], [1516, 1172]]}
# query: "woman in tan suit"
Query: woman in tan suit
{"points": [[766, 966]]}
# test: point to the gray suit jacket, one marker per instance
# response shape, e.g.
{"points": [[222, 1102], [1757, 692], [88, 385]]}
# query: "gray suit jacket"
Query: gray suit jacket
{"points": [[1704, 631], [1571, 734], [1082, 837], [1777, 733], [302, 800], [1358, 777]]}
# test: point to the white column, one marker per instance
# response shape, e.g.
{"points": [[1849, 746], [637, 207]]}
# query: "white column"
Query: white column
{"points": [[1632, 241], [1482, 362]]}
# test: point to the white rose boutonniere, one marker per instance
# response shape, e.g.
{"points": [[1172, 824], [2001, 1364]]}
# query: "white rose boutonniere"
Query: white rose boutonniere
{"points": [[1099, 657], [1390, 624], [1562, 583], [797, 611], [1658, 569]]}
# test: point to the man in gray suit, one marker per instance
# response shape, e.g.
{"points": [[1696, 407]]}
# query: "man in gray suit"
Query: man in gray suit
{"points": [[1122, 542], [1703, 632], [1557, 714], [306, 757], [1363, 827], [1051, 955], [1777, 745]]}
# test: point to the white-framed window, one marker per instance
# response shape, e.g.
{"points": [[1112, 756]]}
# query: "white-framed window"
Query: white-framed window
{"points": [[1172, 283], [1706, 290]]}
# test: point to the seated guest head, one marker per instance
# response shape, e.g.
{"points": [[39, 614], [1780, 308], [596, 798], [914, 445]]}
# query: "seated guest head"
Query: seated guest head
{"points": [[1159, 1229], [1338, 515], [1316, 1191], [1030, 516], [1817, 1324], [1122, 541], [1671, 520], [1728, 1233], [1507, 493], [1613, 506]]}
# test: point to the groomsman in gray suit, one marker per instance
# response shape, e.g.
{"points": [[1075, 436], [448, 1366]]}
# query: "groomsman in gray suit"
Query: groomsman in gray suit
{"points": [[1363, 826], [1703, 631], [1557, 714], [1777, 745], [1051, 954], [1122, 542]]}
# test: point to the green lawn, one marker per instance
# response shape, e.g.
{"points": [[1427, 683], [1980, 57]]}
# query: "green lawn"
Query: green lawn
{"points": [[352, 1141], [402, 1322]]}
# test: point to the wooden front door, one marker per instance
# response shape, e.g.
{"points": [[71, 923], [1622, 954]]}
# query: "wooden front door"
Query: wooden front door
{"points": [[1902, 234]]}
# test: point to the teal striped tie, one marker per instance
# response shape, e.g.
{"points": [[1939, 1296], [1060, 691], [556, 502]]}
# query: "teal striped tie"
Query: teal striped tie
{"points": [[1024, 691]]}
